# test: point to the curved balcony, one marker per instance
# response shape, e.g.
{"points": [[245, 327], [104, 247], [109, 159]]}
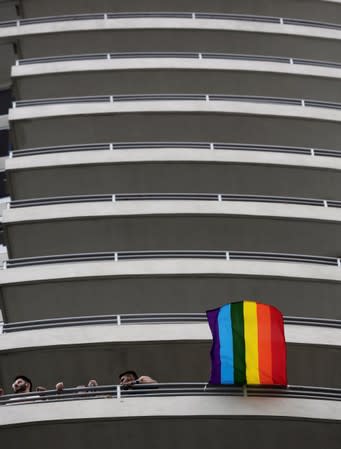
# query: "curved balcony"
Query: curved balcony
{"points": [[40, 227], [193, 30], [182, 281], [288, 121], [179, 414], [152, 167], [55, 349], [177, 72]]}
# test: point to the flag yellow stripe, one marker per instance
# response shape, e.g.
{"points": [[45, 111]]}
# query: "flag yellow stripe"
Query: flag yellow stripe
{"points": [[251, 342]]}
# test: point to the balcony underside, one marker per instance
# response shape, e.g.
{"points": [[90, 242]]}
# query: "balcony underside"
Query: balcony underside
{"points": [[233, 41], [313, 9], [174, 171], [237, 420], [166, 121], [179, 77], [80, 289], [99, 227], [182, 361]]}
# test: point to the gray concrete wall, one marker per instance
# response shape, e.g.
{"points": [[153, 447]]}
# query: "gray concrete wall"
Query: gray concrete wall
{"points": [[184, 361], [232, 41], [179, 432], [163, 125], [309, 9], [199, 228], [168, 293], [176, 177], [178, 80]]}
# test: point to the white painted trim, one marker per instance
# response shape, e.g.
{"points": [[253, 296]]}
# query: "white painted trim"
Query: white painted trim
{"points": [[168, 23], [150, 207], [170, 154], [183, 406], [20, 71], [165, 267], [160, 106], [144, 333], [4, 122]]}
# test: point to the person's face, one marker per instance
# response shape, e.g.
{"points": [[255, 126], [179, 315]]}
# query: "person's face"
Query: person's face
{"points": [[20, 386], [127, 379]]}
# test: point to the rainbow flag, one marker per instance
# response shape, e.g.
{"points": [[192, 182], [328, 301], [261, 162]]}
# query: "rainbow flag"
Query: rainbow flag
{"points": [[248, 344]]}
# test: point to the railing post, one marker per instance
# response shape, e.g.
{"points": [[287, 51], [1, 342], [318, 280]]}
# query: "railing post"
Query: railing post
{"points": [[207, 97], [219, 197], [111, 146], [199, 55], [1, 327], [14, 104], [325, 203], [193, 16], [118, 320], [116, 256], [302, 103], [339, 262], [312, 151], [281, 20], [113, 198], [105, 16], [4, 265], [118, 391], [245, 391], [227, 255]]}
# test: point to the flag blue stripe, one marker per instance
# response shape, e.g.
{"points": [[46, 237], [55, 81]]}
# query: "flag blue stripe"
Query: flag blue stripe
{"points": [[226, 345]]}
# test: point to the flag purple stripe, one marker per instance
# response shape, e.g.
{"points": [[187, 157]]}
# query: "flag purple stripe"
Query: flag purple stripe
{"points": [[212, 317]]}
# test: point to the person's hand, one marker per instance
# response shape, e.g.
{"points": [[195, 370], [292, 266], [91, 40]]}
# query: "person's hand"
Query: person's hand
{"points": [[59, 387], [126, 381], [93, 383], [146, 380], [41, 388]]}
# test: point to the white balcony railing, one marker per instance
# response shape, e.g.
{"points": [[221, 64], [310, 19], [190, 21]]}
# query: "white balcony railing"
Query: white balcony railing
{"points": [[173, 389], [211, 197], [119, 256], [149, 318], [178, 55], [212, 146]]}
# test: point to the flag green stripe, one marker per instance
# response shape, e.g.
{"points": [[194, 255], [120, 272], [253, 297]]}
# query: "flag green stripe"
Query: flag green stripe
{"points": [[237, 317]]}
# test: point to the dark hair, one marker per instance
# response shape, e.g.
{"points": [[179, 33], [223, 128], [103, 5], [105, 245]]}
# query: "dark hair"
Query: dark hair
{"points": [[26, 379], [133, 373]]}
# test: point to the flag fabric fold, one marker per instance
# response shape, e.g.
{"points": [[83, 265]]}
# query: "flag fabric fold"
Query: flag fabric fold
{"points": [[248, 344]]}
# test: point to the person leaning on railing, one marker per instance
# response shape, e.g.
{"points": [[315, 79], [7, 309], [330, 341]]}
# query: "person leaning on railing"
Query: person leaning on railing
{"points": [[130, 378]]}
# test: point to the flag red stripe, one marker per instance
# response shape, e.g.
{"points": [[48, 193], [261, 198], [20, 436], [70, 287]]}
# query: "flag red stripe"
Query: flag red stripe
{"points": [[278, 348]]}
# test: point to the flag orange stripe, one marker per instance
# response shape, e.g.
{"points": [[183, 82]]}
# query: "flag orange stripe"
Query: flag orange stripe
{"points": [[264, 344]]}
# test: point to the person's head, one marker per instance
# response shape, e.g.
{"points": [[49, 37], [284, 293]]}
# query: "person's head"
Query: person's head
{"points": [[22, 384], [128, 377]]}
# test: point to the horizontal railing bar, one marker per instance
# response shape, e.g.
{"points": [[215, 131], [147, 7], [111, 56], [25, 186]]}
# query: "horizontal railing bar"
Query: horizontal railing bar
{"points": [[178, 97], [149, 318], [181, 145], [170, 254], [172, 15], [171, 197], [180, 55], [172, 389]]}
